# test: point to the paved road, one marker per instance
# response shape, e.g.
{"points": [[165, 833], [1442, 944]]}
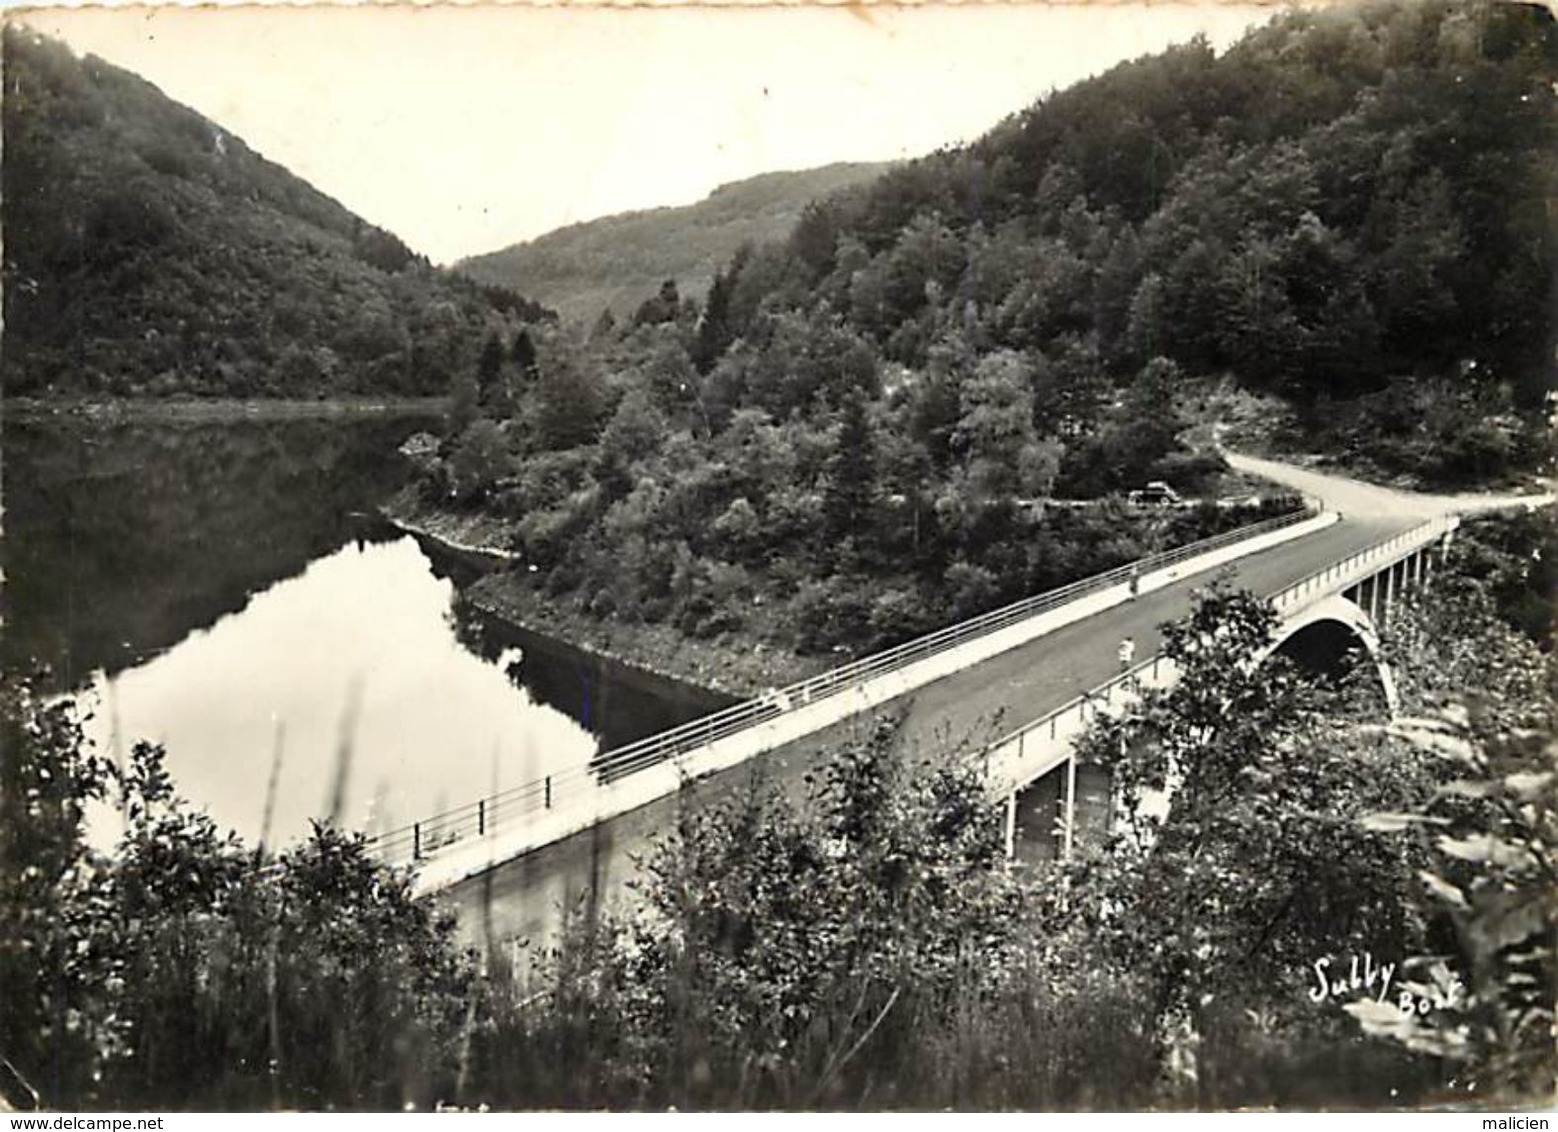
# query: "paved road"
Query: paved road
{"points": [[521, 897], [1354, 497]]}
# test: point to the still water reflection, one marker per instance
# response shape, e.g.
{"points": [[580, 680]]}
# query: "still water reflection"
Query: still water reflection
{"points": [[355, 659], [219, 589]]}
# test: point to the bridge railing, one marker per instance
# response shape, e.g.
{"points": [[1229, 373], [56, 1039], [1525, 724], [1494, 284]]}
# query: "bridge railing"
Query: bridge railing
{"points": [[551, 792], [1007, 759], [1296, 595]]}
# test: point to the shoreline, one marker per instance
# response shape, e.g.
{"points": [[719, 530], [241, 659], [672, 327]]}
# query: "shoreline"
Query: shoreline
{"points": [[216, 410], [727, 666], [736, 665], [733, 664], [473, 537]]}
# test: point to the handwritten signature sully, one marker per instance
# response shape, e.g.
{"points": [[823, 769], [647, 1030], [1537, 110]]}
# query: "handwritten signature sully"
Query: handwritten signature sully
{"points": [[1362, 977]]}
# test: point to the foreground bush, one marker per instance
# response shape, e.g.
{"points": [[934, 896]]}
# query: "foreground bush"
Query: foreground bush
{"points": [[187, 971], [866, 946]]}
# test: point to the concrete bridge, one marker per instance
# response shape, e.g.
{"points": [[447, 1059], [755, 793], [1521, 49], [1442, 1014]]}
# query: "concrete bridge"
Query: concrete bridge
{"points": [[1053, 798], [1022, 682]]}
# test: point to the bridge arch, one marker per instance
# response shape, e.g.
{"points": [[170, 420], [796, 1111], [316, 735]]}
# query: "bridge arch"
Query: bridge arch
{"points": [[1321, 633], [1325, 631]]}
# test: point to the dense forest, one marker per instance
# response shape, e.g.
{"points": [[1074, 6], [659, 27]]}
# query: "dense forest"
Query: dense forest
{"points": [[150, 252], [612, 263], [866, 429], [868, 946]]}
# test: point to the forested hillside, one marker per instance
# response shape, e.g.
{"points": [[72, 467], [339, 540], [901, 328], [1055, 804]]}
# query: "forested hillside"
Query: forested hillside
{"points": [[856, 435], [148, 251], [612, 263], [1345, 205]]}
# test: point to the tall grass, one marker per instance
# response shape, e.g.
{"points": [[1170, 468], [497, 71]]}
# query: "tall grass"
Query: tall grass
{"points": [[1023, 1045]]}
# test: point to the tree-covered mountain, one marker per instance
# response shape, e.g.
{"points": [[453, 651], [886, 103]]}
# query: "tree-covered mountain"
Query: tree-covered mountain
{"points": [[849, 440], [149, 251], [613, 262], [1347, 206]]}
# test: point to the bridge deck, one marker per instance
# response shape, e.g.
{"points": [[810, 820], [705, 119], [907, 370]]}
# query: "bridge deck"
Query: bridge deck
{"points": [[521, 898]]}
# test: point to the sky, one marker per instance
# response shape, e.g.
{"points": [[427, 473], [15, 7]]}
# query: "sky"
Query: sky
{"points": [[464, 129]]}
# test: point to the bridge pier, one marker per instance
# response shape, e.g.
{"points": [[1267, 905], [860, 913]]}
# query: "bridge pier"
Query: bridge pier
{"points": [[1363, 595], [1011, 824], [1379, 593], [1068, 811], [1037, 809], [1051, 816]]}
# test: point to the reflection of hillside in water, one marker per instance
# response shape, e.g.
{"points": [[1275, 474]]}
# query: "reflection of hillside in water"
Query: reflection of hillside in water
{"points": [[616, 703], [123, 538]]}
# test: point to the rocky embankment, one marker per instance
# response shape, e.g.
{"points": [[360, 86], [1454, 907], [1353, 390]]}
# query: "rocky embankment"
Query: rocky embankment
{"points": [[732, 664], [468, 534]]}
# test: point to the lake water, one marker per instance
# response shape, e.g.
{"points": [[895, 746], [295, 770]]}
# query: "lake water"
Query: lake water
{"points": [[223, 589]]}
